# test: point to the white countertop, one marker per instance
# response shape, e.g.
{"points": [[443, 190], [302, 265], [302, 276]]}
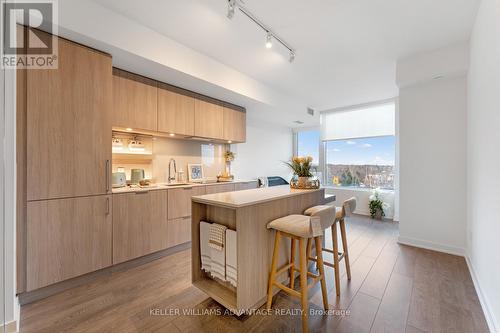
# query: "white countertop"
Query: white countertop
{"points": [[249, 197], [162, 186]]}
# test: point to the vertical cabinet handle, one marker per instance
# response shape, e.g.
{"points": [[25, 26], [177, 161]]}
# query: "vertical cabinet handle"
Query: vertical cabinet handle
{"points": [[107, 176], [107, 206]]}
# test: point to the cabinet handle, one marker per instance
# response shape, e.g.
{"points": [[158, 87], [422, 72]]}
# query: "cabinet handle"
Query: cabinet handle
{"points": [[107, 206], [141, 192], [107, 176], [187, 188]]}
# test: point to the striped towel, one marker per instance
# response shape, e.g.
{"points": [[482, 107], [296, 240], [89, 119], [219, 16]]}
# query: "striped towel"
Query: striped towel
{"points": [[217, 236], [216, 242], [231, 257], [206, 260]]}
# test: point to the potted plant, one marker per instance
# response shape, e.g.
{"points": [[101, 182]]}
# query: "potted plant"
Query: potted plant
{"points": [[228, 158], [301, 167], [377, 205]]}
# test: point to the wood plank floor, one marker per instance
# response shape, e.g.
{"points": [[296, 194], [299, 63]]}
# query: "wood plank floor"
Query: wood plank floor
{"points": [[394, 288]]}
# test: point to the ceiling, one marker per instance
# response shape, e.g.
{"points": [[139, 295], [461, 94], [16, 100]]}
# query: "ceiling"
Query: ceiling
{"points": [[346, 49]]}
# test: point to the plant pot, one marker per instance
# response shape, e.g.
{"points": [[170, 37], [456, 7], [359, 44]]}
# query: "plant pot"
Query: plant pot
{"points": [[302, 182], [378, 214]]}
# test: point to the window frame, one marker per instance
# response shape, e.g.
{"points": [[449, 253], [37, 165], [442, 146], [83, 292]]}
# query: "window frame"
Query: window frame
{"points": [[322, 144], [321, 147], [357, 188]]}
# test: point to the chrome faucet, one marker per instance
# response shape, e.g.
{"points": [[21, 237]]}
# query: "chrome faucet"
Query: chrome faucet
{"points": [[170, 178]]}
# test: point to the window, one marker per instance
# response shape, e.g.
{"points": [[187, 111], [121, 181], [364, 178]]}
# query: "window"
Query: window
{"points": [[362, 162], [308, 144], [359, 146]]}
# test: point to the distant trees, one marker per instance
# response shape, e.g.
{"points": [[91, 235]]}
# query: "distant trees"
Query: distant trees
{"points": [[361, 175], [347, 179]]}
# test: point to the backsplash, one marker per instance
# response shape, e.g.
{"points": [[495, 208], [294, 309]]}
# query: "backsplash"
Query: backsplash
{"points": [[162, 149]]}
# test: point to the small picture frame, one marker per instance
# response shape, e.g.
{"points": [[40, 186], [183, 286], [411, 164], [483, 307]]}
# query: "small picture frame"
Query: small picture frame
{"points": [[195, 173]]}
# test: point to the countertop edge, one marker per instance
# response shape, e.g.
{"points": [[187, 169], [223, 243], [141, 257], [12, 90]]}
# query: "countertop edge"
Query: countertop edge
{"points": [[124, 190], [199, 199]]}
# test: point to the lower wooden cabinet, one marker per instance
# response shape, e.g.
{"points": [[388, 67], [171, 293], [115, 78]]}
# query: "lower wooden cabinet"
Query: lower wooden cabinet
{"points": [[67, 238], [245, 186], [220, 188], [179, 231], [140, 224], [179, 201]]}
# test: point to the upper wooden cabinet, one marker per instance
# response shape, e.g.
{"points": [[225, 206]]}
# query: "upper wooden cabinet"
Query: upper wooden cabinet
{"points": [[68, 125], [234, 125], [139, 224], [175, 111], [67, 238], [134, 101], [208, 119]]}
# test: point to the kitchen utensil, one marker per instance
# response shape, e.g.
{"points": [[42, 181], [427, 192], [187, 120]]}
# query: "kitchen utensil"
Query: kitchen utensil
{"points": [[136, 175], [119, 179]]}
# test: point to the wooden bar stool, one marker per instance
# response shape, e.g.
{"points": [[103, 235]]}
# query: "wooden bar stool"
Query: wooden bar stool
{"points": [[340, 213], [298, 228]]}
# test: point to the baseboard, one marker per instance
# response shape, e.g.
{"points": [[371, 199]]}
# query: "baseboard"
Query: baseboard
{"points": [[432, 246], [10, 327], [485, 304]]}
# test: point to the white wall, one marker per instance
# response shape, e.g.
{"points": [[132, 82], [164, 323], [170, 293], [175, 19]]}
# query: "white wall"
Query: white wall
{"points": [[2, 202], [483, 160], [263, 153], [432, 127], [8, 186]]}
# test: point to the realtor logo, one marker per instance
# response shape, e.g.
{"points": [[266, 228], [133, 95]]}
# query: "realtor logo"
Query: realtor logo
{"points": [[29, 34]]}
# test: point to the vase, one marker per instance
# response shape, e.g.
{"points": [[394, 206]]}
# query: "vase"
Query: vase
{"points": [[303, 182], [378, 214]]}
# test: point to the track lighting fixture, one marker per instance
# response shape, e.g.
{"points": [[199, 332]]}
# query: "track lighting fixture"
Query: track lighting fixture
{"points": [[232, 5], [269, 40]]}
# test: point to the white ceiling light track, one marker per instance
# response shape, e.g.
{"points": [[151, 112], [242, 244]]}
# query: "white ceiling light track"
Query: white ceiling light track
{"points": [[232, 5]]}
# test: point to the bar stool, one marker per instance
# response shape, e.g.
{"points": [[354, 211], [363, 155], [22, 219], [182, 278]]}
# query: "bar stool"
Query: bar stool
{"points": [[340, 213], [298, 228]]}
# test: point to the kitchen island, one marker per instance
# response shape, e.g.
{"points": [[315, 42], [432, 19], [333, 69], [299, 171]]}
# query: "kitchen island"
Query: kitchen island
{"points": [[247, 212]]}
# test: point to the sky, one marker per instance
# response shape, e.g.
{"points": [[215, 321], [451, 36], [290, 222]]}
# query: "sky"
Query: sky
{"points": [[377, 151], [308, 144]]}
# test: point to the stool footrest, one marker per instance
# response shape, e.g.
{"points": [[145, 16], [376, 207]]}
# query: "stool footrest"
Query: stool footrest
{"points": [[287, 289], [284, 269], [315, 280]]}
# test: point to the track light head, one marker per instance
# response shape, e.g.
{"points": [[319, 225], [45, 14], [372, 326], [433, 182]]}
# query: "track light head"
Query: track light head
{"points": [[269, 40], [292, 56], [231, 4]]}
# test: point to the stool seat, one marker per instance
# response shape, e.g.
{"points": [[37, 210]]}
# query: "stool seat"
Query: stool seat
{"points": [[327, 214], [338, 213], [331, 216], [302, 229], [296, 225]]}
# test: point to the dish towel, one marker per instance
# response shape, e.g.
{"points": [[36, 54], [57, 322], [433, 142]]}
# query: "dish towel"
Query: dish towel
{"points": [[231, 257], [216, 242], [206, 260]]}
